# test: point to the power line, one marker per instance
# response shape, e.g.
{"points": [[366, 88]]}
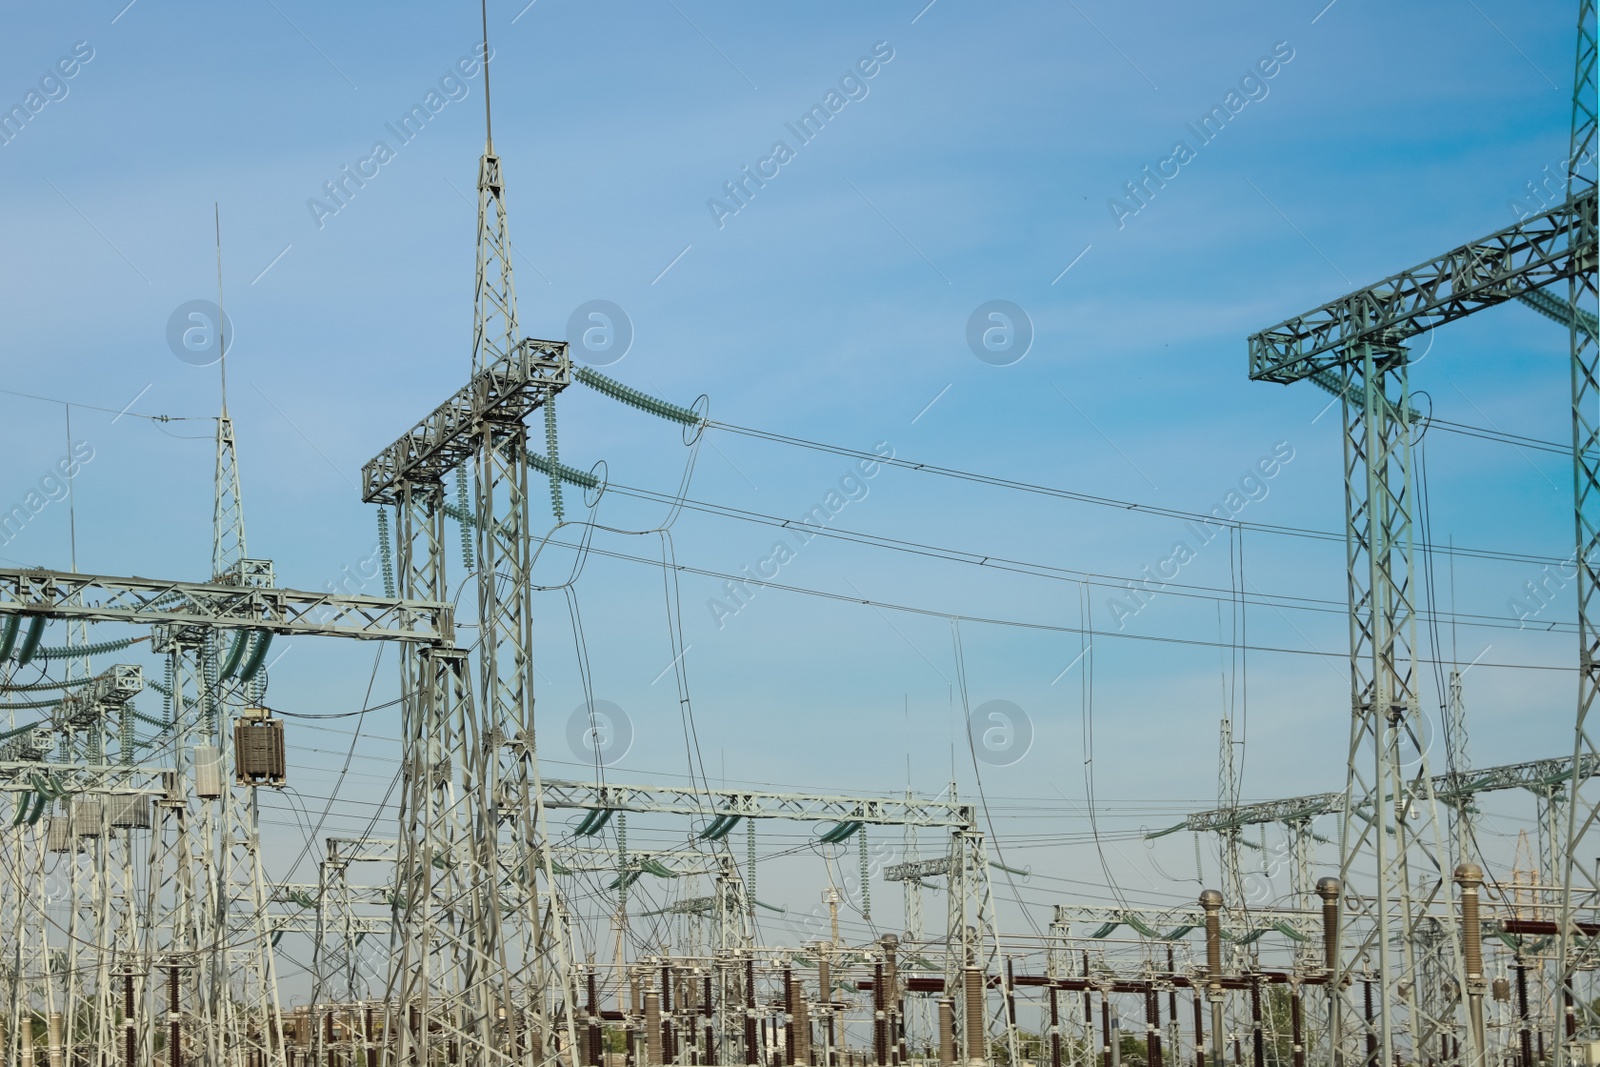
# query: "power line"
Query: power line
{"points": [[1101, 501], [1112, 582], [995, 621]]}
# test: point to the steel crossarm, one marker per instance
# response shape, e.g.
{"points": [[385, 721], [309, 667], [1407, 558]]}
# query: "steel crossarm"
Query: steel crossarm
{"points": [[148, 601], [1534, 775], [881, 811], [71, 779], [1163, 918], [363, 849], [917, 870], [108, 692], [1501, 266], [305, 923], [505, 392], [296, 892]]}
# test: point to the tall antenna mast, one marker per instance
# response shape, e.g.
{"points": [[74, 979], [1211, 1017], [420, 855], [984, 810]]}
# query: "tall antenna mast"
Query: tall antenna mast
{"points": [[227, 512], [488, 126], [494, 307], [222, 340], [494, 318]]}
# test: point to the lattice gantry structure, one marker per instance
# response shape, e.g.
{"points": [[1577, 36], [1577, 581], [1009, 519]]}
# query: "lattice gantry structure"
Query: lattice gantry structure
{"points": [[481, 962], [967, 946], [157, 891], [144, 921], [1360, 341], [1518, 928], [727, 998], [1578, 877]]}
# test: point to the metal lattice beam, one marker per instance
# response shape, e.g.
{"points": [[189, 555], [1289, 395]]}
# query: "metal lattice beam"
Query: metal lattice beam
{"points": [[483, 943], [1534, 776], [1491, 270], [145, 601], [709, 803], [505, 392], [1579, 882], [917, 870]]}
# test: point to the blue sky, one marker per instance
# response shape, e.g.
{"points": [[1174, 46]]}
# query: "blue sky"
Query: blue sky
{"points": [[977, 164]]}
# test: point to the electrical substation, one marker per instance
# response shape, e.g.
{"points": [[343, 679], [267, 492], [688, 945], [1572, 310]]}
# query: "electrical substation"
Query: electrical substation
{"points": [[514, 917]]}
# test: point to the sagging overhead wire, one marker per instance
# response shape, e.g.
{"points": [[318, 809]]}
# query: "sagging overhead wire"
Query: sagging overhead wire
{"points": [[551, 466], [989, 561], [856, 598], [1090, 498], [977, 773], [112, 411], [687, 417], [664, 409]]}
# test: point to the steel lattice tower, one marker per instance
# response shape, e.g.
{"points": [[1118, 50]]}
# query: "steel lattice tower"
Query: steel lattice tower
{"points": [[1578, 879], [242, 992], [482, 964], [1390, 822], [530, 935], [1355, 345]]}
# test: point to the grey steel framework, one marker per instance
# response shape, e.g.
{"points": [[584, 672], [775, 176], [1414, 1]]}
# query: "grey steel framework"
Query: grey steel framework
{"points": [[481, 963], [440, 883], [1535, 776], [1359, 338], [68, 940], [1540, 250], [1547, 780], [62, 779], [200, 911], [970, 937], [1579, 883], [506, 391], [233, 962], [884, 811], [287, 612]]}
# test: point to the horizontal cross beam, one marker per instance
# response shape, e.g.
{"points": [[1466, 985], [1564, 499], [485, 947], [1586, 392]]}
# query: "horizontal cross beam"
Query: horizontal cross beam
{"points": [[1099, 914], [1544, 248], [361, 850], [709, 803], [1535, 775], [301, 892], [145, 601], [110, 690], [305, 923], [62, 779], [505, 392], [917, 870]]}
